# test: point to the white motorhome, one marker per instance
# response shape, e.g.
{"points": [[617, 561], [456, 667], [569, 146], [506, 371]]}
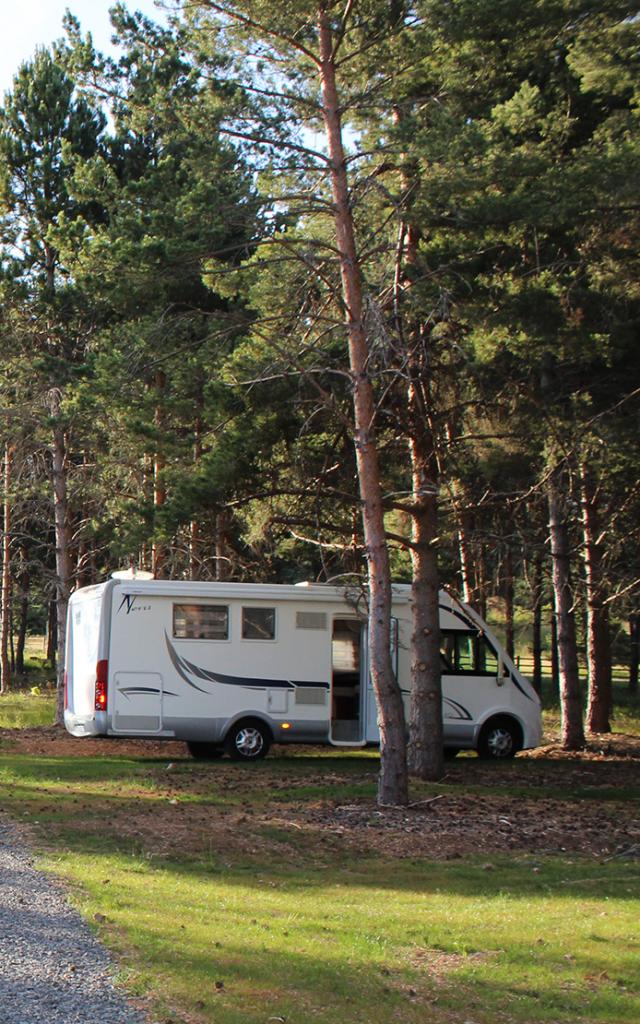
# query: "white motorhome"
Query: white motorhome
{"points": [[236, 667]]}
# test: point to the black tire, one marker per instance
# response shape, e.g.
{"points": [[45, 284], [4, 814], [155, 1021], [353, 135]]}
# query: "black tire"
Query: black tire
{"points": [[248, 740], [500, 739], [205, 751]]}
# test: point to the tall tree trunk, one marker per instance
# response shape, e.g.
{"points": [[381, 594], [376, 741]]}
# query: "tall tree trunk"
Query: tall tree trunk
{"points": [[464, 528], [393, 780], [5, 598], [463, 519], [425, 754], [158, 551], [195, 562], [12, 648], [195, 559], [510, 641], [536, 596], [481, 587], [598, 636], [52, 634], [572, 732], [425, 751], [64, 569], [467, 568], [83, 567], [222, 547], [23, 605], [555, 661], [634, 652]]}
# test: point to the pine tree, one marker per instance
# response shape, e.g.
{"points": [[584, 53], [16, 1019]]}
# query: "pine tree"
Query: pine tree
{"points": [[45, 129], [306, 80]]}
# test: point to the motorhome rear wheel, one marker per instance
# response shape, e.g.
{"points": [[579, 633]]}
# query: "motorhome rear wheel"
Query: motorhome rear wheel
{"points": [[205, 751]]}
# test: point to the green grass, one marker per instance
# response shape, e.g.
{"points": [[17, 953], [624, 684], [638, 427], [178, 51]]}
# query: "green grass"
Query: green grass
{"points": [[31, 698], [23, 710], [356, 942], [38, 671], [274, 923], [302, 928], [625, 717]]}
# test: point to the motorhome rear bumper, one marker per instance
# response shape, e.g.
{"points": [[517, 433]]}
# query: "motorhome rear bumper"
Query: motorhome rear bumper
{"points": [[86, 725]]}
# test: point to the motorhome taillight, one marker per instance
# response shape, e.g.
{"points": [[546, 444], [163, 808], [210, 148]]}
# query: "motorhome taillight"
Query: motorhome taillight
{"points": [[102, 672]]}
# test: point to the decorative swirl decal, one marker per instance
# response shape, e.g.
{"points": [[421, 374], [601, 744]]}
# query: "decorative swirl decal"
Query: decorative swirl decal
{"points": [[456, 710], [128, 691], [187, 669]]}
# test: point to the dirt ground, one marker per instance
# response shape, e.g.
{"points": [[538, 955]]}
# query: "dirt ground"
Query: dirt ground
{"points": [[545, 802]]}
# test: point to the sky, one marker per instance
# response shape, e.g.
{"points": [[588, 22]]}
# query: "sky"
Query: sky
{"points": [[26, 24]]}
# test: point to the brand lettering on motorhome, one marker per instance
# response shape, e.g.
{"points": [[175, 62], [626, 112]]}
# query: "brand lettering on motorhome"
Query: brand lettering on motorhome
{"points": [[128, 601]]}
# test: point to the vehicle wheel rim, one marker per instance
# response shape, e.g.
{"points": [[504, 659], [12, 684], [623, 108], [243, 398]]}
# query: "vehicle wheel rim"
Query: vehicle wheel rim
{"points": [[249, 742], [500, 742]]}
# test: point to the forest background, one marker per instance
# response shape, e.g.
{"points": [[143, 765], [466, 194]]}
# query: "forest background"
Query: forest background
{"points": [[334, 292]]}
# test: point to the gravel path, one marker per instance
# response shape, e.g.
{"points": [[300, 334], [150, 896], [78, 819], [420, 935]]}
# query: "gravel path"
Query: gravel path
{"points": [[52, 968]]}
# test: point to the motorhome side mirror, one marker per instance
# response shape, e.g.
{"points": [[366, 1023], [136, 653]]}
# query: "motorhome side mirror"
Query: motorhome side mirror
{"points": [[502, 673]]}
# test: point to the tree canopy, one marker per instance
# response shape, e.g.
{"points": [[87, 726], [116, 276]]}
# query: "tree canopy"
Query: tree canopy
{"points": [[334, 292]]}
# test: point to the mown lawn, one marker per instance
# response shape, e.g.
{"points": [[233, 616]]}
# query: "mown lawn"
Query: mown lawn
{"points": [[229, 898], [370, 940]]}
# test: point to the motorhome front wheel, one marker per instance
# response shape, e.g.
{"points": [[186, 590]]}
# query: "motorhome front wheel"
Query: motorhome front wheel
{"points": [[248, 741], [500, 739]]}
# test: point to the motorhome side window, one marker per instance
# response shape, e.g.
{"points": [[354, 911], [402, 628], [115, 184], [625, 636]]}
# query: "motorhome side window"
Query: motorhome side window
{"points": [[487, 658], [462, 652], [258, 623], [200, 622]]}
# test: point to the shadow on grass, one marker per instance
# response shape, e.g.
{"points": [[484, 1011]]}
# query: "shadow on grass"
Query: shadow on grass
{"points": [[510, 878], [350, 944], [67, 799], [331, 774]]}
